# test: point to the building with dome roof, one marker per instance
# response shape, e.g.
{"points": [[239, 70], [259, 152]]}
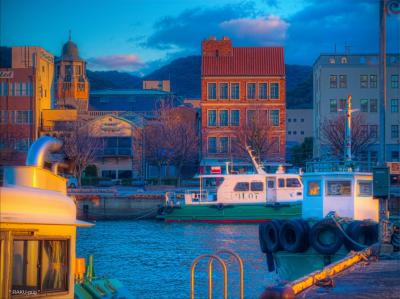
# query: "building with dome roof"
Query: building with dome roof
{"points": [[72, 85]]}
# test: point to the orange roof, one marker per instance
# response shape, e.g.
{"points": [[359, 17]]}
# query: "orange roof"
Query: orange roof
{"points": [[246, 61]]}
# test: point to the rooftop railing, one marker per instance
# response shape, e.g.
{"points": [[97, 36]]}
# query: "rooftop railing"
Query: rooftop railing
{"points": [[340, 166]]}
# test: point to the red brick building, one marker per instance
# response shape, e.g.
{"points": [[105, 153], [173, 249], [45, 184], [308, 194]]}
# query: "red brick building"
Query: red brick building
{"points": [[238, 83], [26, 78]]}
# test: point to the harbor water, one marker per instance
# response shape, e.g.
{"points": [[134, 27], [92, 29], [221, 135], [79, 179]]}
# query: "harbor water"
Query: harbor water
{"points": [[153, 258]]}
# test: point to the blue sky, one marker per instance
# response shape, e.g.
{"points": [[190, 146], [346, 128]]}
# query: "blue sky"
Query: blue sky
{"points": [[140, 35]]}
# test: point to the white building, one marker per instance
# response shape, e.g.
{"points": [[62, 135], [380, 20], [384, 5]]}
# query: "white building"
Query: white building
{"points": [[337, 76]]}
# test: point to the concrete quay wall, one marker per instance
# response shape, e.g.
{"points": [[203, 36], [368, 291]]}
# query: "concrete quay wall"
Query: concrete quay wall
{"points": [[120, 207]]}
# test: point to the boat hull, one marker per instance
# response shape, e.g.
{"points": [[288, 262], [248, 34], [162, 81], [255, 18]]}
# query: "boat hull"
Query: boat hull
{"points": [[292, 266], [230, 213]]}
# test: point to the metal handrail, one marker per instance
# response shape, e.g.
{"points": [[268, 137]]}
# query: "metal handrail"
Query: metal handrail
{"points": [[225, 272], [241, 268]]}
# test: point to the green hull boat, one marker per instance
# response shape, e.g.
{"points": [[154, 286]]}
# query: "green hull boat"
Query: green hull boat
{"points": [[229, 213]]}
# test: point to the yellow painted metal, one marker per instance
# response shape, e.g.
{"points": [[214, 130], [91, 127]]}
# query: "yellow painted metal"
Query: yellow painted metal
{"points": [[307, 281], [241, 268], [80, 269], [225, 273]]}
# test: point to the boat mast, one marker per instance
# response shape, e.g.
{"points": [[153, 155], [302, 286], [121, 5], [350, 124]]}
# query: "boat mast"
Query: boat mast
{"points": [[347, 136], [256, 165]]}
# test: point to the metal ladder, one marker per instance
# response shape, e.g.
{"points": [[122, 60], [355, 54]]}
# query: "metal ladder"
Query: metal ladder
{"points": [[211, 258]]}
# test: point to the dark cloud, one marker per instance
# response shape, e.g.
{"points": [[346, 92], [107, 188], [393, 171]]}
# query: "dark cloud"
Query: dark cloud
{"points": [[323, 24], [319, 27], [186, 30]]}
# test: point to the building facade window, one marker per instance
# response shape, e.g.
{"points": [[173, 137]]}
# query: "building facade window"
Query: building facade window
{"points": [[263, 91], [223, 91], [342, 81], [394, 131], [251, 91], [333, 81], [395, 156], [212, 91], [364, 105], [274, 116], [333, 105], [373, 82], [235, 118], [373, 131], [223, 145], [223, 118], [212, 118], [274, 91], [3, 116], [22, 144], [364, 81], [342, 104], [23, 117], [395, 81], [212, 145], [251, 116], [373, 105], [394, 106], [235, 91]]}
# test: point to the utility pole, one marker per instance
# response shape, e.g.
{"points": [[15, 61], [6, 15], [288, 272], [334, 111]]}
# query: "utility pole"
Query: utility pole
{"points": [[381, 173]]}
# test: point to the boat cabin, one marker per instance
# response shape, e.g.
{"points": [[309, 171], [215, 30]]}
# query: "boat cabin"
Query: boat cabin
{"points": [[347, 193], [37, 234], [246, 188]]}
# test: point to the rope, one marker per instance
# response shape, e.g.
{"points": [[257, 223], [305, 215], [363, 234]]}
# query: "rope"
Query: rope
{"points": [[332, 216]]}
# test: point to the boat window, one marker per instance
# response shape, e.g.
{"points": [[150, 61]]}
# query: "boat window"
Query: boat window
{"points": [[271, 184], [293, 183], [257, 186], [281, 183], [364, 188], [314, 188], [39, 266], [242, 186], [339, 188]]}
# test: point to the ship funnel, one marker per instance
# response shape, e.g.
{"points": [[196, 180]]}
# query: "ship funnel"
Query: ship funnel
{"points": [[39, 149]]}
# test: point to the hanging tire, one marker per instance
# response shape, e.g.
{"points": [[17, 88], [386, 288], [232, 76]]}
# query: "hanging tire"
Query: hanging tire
{"points": [[326, 229], [268, 234], [363, 232], [293, 236]]}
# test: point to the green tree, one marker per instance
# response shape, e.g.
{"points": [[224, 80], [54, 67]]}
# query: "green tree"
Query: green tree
{"points": [[303, 152]]}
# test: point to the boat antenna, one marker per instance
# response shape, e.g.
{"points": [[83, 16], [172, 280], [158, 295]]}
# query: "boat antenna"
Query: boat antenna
{"points": [[256, 165]]}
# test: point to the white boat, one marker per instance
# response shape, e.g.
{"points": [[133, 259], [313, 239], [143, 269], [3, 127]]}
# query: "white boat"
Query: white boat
{"points": [[232, 197]]}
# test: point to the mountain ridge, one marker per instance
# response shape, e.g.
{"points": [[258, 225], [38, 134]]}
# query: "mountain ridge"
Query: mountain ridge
{"points": [[185, 76]]}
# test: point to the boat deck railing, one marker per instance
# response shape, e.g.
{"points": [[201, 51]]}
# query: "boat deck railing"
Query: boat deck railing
{"points": [[340, 166]]}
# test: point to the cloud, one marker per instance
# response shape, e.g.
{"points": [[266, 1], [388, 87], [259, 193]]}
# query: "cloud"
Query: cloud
{"points": [[186, 30], [123, 62], [259, 31]]}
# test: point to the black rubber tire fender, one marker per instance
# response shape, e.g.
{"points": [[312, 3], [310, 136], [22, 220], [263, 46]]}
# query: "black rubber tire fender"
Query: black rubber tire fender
{"points": [[364, 232], [321, 227], [269, 236], [292, 236]]}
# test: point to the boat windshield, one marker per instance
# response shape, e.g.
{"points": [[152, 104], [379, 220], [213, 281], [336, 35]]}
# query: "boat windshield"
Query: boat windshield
{"points": [[212, 183]]}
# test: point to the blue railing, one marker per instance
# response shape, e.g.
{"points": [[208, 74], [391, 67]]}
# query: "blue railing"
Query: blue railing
{"points": [[341, 166]]}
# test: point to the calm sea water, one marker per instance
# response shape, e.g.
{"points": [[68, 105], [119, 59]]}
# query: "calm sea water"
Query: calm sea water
{"points": [[153, 259]]}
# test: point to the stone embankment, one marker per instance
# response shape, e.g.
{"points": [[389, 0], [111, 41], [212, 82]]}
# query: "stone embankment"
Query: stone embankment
{"points": [[117, 203]]}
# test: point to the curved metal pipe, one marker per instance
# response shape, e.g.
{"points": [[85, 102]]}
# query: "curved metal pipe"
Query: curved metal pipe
{"points": [[39, 149]]}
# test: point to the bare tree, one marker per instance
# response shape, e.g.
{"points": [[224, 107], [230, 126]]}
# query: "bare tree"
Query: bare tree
{"points": [[80, 147], [172, 137], [258, 134], [333, 132]]}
